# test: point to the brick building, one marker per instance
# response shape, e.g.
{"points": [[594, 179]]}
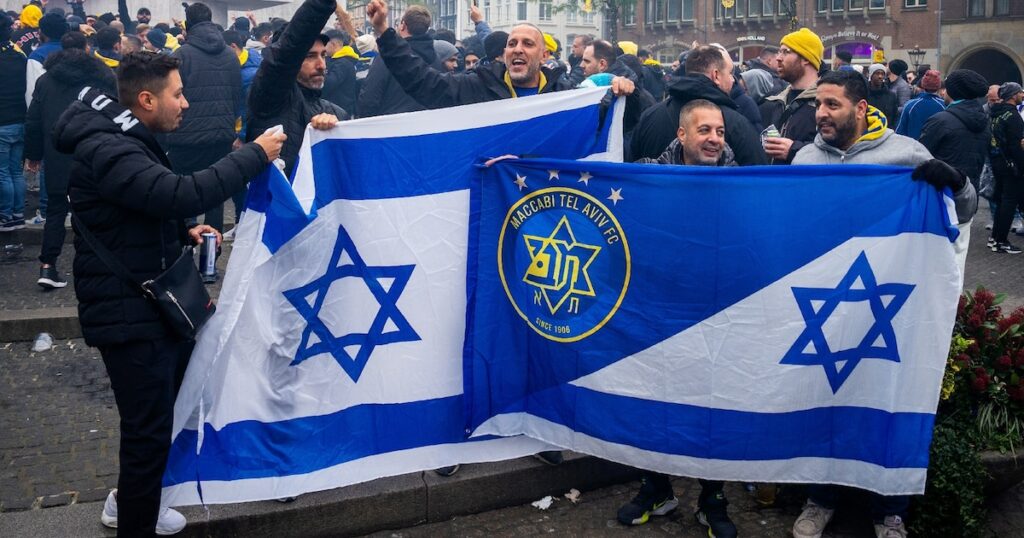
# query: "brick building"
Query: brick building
{"points": [[985, 34]]}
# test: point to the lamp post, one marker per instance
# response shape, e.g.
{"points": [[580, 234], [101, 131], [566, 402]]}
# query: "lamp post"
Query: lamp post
{"points": [[916, 54]]}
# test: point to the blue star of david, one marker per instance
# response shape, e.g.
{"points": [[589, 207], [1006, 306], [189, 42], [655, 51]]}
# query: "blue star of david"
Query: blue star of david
{"points": [[365, 342], [813, 335]]}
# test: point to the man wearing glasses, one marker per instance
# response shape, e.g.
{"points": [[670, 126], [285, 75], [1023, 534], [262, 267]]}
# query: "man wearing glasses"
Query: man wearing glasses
{"points": [[791, 112]]}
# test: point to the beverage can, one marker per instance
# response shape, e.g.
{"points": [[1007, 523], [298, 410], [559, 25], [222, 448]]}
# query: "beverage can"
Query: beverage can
{"points": [[208, 255]]}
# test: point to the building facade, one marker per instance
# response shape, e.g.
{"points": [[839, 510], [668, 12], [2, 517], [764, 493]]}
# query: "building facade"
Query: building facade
{"points": [[984, 35]]}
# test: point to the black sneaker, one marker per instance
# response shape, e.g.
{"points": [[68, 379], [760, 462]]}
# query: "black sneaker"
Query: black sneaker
{"points": [[716, 519], [550, 457], [647, 503], [1005, 248], [49, 278], [447, 471], [11, 224]]}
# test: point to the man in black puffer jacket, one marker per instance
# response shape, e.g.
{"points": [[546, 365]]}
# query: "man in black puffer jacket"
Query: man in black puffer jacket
{"points": [[286, 90], [381, 94], [213, 87], [67, 72], [708, 76], [123, 191], [960, 135]]}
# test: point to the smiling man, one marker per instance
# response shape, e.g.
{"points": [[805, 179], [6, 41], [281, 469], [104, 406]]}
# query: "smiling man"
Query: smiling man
{"points": [[520, 75]]}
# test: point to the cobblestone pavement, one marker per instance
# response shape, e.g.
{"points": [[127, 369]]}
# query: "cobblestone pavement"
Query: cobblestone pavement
{"points": [[1001, 273]]}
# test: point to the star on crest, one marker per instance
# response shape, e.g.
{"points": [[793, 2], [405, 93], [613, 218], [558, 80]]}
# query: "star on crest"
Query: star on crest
{"points": [[616, 196], [559, 264], [585, 178], [520, 182], [552, 175], [812, 349], [308, 300]]}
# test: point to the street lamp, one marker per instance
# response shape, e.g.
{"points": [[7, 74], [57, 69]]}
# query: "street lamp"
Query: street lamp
{"points": [[916, 54]]}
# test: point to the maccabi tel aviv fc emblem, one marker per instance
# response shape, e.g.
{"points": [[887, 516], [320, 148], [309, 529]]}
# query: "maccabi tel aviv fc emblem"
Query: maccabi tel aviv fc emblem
{"points": [[564, 262]]}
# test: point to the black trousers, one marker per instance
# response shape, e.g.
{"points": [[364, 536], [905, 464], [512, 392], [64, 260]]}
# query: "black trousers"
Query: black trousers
{"points": [[145, 376], [56, 211], [1012, 198], [709, 489], [190, 159]]}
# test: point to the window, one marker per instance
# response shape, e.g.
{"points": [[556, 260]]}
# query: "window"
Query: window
{"points": [[976, 8], [659, 10], [915, 3], [856, 4], [570, 16], [486, 6], [674, 9], [822, 6], [521, 10], [628, 16], [837, 5], [876, 4], [588, 18], [1001, 7], [545, 10], [767, 7], [648, 11], [687, 10]]}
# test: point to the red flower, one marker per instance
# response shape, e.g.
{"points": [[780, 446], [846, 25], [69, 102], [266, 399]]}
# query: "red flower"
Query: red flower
{"points": [[980, 383], [1016, 393], [1004, 363], [963, 359], [984, 297], [980, 372], [1020, 359]]}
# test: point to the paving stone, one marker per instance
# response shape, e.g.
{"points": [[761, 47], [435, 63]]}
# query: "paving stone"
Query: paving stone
{"points": [[62, 499]]}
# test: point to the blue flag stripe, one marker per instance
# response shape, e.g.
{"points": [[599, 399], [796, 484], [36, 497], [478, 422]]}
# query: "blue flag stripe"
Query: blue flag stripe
{"points": [[848, 433]]}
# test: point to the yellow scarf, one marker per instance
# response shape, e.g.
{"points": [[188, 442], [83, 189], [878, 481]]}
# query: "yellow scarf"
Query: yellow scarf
{"points": [[345, 52], [511, 88], [243, 57], [111, 63], [877, 123], [172, 43], [652, 62]]}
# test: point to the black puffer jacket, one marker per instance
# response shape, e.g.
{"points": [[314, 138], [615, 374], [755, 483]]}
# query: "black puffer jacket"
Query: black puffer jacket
{"points": [[213, 86], [123, 190], [275, 97], [67, 72], [13, 65], [638, 101], [1007, 132], [381, 94], [959, 136], [340, 84], [658, 125], [434, 90], [886, 103]]}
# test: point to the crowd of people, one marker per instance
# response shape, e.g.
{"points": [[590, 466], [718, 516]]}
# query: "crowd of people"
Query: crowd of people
{"points": [[143, 130]]}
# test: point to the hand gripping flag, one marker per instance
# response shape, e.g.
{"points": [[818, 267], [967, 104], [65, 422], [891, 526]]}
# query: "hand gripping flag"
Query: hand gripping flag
{"points": [[775, 324], [335, 356]]}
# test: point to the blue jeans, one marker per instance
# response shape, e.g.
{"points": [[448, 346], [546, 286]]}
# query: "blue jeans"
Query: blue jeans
{"points": [[12, 181]]}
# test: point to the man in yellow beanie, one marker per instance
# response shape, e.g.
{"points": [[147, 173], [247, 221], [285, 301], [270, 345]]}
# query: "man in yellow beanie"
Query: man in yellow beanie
{"points": [[791, 112], [27, 37]]}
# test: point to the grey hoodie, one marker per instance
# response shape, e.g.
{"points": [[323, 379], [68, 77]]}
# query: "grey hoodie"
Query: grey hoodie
{"points": [[889, 149]]}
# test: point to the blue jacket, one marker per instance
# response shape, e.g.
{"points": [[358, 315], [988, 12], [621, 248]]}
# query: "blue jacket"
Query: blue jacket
{"points": [[249, 68], [916, 112]]}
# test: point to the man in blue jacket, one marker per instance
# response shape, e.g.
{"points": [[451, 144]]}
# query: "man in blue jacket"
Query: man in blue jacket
{"points": [[918, 110]]}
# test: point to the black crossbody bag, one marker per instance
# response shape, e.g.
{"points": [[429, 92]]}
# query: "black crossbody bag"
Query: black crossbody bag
{"points": [[178, 293]]}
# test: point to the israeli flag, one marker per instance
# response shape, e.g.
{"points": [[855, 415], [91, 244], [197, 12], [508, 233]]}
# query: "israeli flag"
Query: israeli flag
{"points": [[771, 324], [335, 355]]}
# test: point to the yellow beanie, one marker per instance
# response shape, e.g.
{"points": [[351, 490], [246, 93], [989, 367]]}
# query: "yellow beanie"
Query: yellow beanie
{"points": [[30, 16], [549, 43], [807, 44], [628, 47]]}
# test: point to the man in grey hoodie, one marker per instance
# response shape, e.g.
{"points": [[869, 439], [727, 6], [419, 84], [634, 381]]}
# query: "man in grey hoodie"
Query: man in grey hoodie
{"points": [[850, 131]]}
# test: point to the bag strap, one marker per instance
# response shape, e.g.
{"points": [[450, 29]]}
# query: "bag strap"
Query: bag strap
{"points": [[106, 256], [791, 108]]}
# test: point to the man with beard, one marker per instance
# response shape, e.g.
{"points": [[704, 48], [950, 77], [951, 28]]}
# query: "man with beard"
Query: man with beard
{"points": [[579, 45], [792, 110], [879, 95], [520, 75], [599, 57], [123, 192], [852, 132], [700, 141], [286, 89]]}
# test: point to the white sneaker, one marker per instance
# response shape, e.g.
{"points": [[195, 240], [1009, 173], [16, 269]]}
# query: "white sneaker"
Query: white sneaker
{"points": [[892, 527], [170, 521], [230, 234], [812, 521], [1017, 225], [38, 219]]}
